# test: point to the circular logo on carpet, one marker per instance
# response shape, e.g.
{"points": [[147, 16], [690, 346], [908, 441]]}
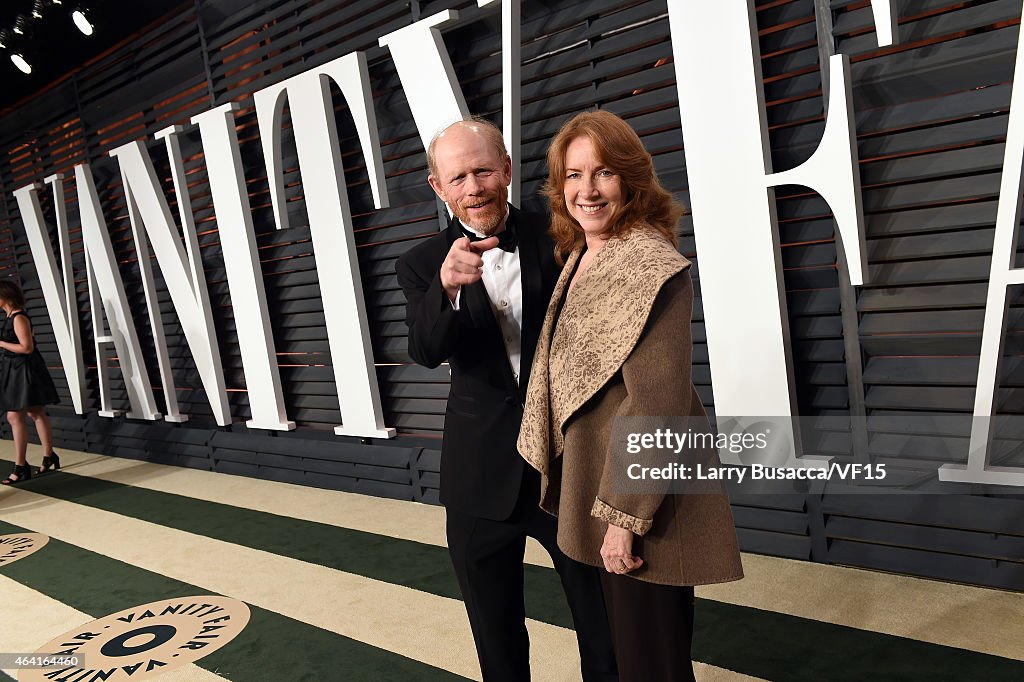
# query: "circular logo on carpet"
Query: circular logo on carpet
{"points": [[143, 641], [20, 545]]}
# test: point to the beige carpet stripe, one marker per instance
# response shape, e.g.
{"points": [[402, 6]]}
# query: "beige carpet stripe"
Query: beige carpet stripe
{"points": [[984, 620], [386, 616], [32, 619], [709, 673], [892, 604], [395, 518]]}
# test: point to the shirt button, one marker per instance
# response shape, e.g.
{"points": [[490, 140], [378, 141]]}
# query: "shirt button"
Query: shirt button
{"points": [[497, 267], [504, 304]]}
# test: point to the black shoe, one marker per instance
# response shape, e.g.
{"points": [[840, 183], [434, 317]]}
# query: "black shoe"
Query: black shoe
{"points": [[50, 462], [21, 473]]}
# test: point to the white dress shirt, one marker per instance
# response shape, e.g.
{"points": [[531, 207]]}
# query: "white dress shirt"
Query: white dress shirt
{"points": [[502, 279]]}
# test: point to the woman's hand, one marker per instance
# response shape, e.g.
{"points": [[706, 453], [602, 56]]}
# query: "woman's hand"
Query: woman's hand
{"points": [[617, 551]]}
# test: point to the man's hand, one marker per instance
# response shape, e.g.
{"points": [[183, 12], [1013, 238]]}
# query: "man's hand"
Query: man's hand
{"points": [[463, 264], [617, 551]]}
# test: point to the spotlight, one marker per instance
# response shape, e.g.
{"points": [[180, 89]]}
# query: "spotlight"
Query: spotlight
{"points": [[5, 38], [19, 24], [20, 62], [82, 21], [40, 6]]}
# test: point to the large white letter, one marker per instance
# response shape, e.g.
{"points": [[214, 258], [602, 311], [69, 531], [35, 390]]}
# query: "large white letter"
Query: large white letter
{"points": [[241, 261], [427, 75], [511, 87], [58, 288], [111, 317], [330, 218], [718, 75], [1003, 274], [183, 273], [886, 27], [433, 91]]}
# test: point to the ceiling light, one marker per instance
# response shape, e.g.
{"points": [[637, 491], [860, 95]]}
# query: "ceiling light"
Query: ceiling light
{"points": [[82, 22], [19, 25], [21, 63], [5, 38], [37, 9]]}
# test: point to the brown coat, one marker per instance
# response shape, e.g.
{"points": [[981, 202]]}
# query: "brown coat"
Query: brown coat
{"points": [[622, 347]]}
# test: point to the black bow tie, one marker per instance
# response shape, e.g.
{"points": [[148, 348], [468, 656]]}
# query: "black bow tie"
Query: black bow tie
{"points": [[507, 238]]}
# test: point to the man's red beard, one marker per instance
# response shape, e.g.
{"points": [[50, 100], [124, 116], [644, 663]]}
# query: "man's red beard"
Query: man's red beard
{"points": [[484, 220]]}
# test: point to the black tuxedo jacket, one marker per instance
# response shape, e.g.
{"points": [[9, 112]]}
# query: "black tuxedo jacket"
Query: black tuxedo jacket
{"points": [[481, 470]]}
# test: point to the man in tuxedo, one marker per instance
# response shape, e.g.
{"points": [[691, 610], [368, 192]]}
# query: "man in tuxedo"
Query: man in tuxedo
{"points": [[476, 297]]}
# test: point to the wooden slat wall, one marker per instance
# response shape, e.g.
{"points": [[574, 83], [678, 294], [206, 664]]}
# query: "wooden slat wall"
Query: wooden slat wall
{"points": [[931, 122]]}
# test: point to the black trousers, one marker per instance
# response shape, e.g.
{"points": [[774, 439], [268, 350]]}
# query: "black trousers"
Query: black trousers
{"points": [[652, 626], [488, 560]]}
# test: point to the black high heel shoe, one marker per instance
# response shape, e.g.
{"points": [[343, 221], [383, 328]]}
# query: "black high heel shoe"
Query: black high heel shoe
{"points": [[50, 462], [22, 472]]}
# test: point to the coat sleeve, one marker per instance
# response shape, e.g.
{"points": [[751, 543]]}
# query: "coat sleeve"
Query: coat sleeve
{"points": [[433, 322], [657, 378]]}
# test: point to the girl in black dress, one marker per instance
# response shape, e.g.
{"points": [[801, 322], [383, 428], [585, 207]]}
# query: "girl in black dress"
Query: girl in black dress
{"points": [[25, 383]]}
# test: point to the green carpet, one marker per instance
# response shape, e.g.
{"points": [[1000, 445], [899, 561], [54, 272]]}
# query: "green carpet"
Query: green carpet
{"points": [[272, 647], [760, 643]]}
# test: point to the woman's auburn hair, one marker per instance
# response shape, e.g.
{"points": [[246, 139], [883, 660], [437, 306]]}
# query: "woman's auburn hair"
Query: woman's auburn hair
{"points": [[622, 152]]}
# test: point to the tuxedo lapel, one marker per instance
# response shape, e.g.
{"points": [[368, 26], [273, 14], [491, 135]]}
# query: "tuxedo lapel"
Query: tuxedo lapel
{"points": [[534, 301], [477, 303]]}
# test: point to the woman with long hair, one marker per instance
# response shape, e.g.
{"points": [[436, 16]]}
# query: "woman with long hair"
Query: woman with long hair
{"points": [[616, 343], [25, 384]]}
